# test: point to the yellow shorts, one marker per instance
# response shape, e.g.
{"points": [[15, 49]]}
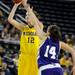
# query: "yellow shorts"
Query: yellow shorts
{"points": [[27, 65]]}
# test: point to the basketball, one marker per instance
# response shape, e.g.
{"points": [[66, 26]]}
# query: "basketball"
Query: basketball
{"points": [[16, 1]]}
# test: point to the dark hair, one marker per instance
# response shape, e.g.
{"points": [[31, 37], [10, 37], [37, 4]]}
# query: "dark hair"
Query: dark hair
{"points": [[54, 31]]}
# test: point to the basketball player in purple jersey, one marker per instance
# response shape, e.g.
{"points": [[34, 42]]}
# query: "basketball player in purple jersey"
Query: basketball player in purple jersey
{"points": [[49, 51], [50, 46]]}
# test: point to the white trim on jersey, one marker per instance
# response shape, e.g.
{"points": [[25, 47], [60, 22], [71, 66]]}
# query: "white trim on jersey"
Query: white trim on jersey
{"points": [[55, 65]]}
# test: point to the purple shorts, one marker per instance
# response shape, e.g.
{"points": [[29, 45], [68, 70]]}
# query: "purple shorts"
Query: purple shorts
{"points": [[50, 71]]}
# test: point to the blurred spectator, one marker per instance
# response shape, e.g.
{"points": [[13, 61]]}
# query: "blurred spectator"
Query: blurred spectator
{"points": [[5, 70], [1, 15], [16, 37], [6, 24], [73, 39], [13, 32], [1, 20], [15, 59], [63, 61], [5, 34], [2, 51], [0, 65], [7, 65], [64, 64], [12, 67]]}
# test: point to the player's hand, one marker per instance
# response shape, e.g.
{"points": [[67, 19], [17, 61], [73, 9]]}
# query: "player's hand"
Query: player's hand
{"points": [[18, 3], [73, 70]]}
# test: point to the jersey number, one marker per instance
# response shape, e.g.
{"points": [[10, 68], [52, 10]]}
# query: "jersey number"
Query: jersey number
{"points": [[50, 51], [30, 39]]}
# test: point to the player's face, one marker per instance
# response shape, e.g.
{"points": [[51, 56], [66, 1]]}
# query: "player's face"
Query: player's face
{"points": [[29, 21]]}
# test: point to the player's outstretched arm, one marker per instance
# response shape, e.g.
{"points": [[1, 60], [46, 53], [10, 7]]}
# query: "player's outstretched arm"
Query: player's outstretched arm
{"points": [[13, 21], [70, 50], [33, 19]]}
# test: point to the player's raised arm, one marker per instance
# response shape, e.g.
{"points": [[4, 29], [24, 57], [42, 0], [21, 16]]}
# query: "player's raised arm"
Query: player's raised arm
{"points": [[70, 50], [34, 20], [33, 17], [31, 13], [12, 20]]}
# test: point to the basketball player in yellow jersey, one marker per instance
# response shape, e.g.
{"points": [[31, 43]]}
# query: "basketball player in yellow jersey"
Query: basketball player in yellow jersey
{"points": [[27, 64]]}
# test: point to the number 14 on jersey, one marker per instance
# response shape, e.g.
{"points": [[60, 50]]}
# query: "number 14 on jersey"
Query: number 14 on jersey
{"points": [[50, 50]]}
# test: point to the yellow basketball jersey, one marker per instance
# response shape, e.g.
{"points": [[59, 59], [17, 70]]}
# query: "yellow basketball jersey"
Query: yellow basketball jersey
{"points": [[29, 44], [29, 41]]}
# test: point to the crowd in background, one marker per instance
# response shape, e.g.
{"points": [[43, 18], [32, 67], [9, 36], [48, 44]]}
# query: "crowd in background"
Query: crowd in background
{"points": [[9, 52]]}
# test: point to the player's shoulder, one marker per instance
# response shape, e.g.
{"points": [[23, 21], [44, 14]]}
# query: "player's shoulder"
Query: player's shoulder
{"points": [[25, 28]]}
